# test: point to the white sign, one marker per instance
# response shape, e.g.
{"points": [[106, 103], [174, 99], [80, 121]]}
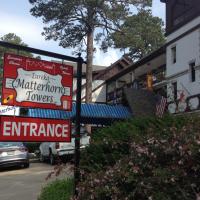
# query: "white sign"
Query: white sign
{"points": [[9, 110], [38, 87], [30, 82]]}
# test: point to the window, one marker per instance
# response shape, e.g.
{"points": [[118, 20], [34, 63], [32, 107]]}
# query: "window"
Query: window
{"points": [[174, 86], [192, 72], [173, 52]]}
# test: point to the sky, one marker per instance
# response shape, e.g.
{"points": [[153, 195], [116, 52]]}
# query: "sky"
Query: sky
{"points": [[16, 18]]}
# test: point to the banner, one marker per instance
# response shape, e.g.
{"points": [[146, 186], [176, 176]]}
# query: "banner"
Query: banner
{"points": [[29, 82], [34, 129]]}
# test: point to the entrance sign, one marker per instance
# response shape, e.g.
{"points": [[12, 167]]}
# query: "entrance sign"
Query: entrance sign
{"points": [[30, 82], [34, 129]]}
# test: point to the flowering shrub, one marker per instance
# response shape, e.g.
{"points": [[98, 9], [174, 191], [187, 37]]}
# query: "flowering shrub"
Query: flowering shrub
{"points": [[143, 159]]}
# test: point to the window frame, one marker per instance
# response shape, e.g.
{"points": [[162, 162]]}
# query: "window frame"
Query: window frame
{"points": [[192, 71], [173, 54]]}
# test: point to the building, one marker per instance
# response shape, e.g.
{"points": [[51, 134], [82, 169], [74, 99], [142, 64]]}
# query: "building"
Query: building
{"points": [[136, 85], [172, 71], [100, 77], [137, 75], [183, 55]]}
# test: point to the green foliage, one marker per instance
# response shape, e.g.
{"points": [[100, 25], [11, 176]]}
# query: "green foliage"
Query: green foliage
{"points": [[78, 23], [58, 190], [14, 39], [141, 34], [147, 158], [71, 21]]}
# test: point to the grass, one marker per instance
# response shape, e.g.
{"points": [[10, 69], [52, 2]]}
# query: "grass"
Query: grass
{"points": [[58, 190]]}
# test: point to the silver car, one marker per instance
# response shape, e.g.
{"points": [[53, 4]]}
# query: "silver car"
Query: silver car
{"points": [[13, 154]]}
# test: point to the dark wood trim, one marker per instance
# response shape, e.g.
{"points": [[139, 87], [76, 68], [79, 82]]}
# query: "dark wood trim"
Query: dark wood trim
{"points": [[158, 52], [172, 30], [183, 35], [106, 93], [155, 54], [177, 74]]}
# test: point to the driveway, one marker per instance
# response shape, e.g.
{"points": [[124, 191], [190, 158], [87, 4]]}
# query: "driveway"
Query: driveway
{"points": [[26, 184]]}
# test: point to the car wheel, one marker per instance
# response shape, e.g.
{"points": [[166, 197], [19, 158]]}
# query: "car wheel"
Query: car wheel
{"points": [[26, 165], [52, 159], [41, 158]]}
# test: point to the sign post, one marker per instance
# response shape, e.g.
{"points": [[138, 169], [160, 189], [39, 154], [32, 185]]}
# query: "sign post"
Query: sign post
{"points": [[77, 125], [19, 92]]}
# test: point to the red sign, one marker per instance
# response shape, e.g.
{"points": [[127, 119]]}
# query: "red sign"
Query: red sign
{"points": [[34, 129], [30, 82]]}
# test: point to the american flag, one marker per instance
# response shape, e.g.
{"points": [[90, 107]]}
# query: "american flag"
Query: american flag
{"points": [[160, 105]]}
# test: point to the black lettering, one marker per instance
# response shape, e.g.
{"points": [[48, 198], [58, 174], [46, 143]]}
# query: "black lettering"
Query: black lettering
{"points": [[29, 95], [51, 101], [27, 85], [18, 83], [39, 86]]}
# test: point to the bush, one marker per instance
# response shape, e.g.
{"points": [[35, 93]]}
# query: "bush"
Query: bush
{"points": [[58, 190], [143, 159]]}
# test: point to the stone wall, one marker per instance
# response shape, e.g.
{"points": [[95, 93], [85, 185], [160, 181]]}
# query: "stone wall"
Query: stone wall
{"points": [[141, 102]]}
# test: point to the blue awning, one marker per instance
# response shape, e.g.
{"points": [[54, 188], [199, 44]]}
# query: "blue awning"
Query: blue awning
{"points": [[90, 113]]}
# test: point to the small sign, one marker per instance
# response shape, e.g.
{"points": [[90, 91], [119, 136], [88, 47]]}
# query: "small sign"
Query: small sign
{"points": [[34, 129], [30, 82], [9, 110]]}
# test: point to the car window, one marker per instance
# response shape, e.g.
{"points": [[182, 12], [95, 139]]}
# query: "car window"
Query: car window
{"points": [[83, 132], [10, 144]]}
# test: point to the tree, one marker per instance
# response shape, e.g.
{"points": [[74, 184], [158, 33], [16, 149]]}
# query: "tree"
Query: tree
{"points": [[11, 38], [141, 33], [14, 39], [76, 23]]}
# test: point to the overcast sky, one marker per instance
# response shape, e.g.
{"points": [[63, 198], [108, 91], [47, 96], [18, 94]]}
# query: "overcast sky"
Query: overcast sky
{"points": [[16, 18]]}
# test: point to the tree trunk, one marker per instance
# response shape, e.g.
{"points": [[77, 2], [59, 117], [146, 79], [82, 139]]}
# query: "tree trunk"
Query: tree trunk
{"points": [[89, 66]]}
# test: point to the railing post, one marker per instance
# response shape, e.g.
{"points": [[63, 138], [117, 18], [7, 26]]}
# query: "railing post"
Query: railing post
{"points": [[77, 124]]}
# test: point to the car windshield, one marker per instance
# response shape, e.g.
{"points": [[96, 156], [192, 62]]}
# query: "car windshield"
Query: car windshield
{"points": [[10, 144], [82, 131]]}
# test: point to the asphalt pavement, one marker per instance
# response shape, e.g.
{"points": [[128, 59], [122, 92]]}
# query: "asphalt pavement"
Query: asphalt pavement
{"points": [[25, 184]]}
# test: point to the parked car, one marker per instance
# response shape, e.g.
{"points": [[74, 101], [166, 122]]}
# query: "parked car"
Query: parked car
{"points": [[13, 154], [55, 150]]}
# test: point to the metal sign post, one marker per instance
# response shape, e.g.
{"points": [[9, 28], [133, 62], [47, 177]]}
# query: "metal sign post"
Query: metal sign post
{"points": [[79, 61], [77, 125]]}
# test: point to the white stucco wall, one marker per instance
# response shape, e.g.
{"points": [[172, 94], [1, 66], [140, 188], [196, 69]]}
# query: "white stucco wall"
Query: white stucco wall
{"points": [[187, 51], [98, 95], [183, 29]]}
